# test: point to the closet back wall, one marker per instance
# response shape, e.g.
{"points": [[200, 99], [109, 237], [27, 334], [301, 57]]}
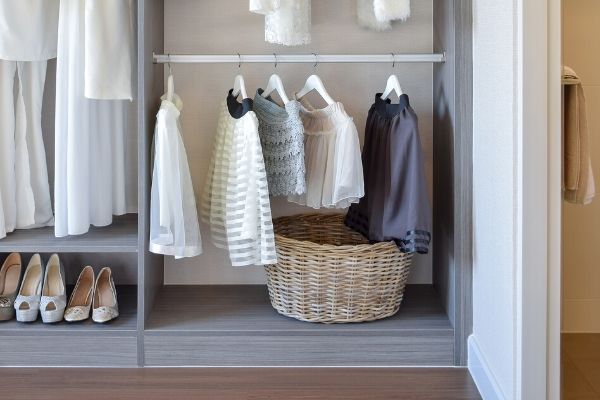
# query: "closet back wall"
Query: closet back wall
{"points": [[227, 27]]}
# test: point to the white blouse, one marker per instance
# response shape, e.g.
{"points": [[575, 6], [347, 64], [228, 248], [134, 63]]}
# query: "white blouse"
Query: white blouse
{"points": [[174, 228], [235, 201], [28, 29], [334, 174], [287, 22], [108, 49]]}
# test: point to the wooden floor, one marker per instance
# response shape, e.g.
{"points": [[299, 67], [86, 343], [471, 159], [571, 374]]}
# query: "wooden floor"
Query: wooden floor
{"points": [[236, 384], [581, 366]]}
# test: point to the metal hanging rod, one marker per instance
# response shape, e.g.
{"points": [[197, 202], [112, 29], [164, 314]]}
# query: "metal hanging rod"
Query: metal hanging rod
{"points": [[299, 58]]}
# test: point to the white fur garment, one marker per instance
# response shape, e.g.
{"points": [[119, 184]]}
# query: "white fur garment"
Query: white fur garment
{"points": [[391, 10], [365, 13]]}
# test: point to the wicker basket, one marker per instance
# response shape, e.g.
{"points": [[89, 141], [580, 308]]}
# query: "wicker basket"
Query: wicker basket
{"points": [[330, 274]]}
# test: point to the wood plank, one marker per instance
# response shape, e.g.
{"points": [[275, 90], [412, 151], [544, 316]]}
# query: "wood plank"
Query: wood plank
{"points": [[237, 384], [409, 348], [463, 176], [236, 326], [67, 350], [120, 237], [244, 308], [150, 88], [124, 326]]}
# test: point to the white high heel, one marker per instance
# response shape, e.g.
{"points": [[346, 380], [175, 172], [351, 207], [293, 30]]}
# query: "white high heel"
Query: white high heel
{"points": [[80, 302], [105, 306], [27, 303], [54, 296]]}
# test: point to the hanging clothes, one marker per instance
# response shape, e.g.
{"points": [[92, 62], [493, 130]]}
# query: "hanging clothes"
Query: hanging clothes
{"points": [[109, 49], [28, 29], [174, 228], [579, 186], [90, 145], [365, 15], [235, 201], [378, 15], [24, 190], [287, 22], [264, 6], [396, 203], [282, 139], [334, 175], [28, 37]]}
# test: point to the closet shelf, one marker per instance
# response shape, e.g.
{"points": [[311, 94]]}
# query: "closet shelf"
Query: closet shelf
{"points": [[120, 237], [124, 326], [236, 325]]}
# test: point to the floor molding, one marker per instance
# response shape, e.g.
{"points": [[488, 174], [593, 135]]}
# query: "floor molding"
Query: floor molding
{"points": [[482, 375]]}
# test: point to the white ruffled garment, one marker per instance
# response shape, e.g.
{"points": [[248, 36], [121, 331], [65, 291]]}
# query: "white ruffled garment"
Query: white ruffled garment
{"points": [[334, 174], [287, 22], [378, 15], [174, 228]]}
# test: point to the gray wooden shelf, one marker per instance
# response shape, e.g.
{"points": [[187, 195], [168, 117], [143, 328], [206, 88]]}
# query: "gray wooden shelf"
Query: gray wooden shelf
{"points": [[81, 344], [124, 326], [236, 326], [120, 237]]}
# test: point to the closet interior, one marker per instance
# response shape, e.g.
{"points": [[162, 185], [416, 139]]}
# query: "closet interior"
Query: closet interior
{"points": [[201, 311]]}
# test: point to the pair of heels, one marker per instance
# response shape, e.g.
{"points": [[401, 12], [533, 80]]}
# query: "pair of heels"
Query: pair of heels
{"points": [[97, 293], [43, 290]]}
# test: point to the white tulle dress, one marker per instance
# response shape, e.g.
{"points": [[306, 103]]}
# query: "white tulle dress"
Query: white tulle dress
{"points": [[174, 228], [235, 202]]}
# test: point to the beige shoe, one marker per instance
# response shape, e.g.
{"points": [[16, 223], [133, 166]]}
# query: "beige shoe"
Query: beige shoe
{"points": [[10, 277], [80, 302], [105, 306]]}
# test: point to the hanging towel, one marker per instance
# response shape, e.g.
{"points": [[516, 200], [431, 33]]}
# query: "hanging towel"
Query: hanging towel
{"points": [[579, 186], [391, 10]]}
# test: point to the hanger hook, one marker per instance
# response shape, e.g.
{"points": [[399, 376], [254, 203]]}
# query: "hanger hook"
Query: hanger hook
{"points": [[169, 64], [393, 60], [275, 56], [316, 60], [239, 60]]}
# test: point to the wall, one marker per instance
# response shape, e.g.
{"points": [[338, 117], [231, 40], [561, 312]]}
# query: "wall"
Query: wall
{"points": [[201, 27], [492, 346], [581, 270]]}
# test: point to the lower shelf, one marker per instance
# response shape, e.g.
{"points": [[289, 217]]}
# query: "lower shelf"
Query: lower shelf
{"points": [[236, 326], [74, 344]]}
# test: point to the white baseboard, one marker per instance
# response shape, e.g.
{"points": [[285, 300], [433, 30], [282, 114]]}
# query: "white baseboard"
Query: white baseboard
{"points": [[482, 374]]}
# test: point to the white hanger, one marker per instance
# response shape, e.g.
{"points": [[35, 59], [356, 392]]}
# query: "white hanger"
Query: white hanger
{"points": [[393, 85], [275, 84], [315, 83], [170, 82], [239, 86]]}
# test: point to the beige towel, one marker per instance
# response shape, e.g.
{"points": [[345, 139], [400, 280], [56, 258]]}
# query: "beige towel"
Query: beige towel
{"points": [[579, 187]]}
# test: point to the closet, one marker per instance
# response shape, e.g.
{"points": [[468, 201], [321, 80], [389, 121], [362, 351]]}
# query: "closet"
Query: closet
{"points": [[203, 312]]}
